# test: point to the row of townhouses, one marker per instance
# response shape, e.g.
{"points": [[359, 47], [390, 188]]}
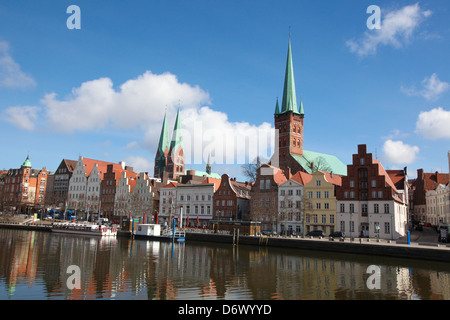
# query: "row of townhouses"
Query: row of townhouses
{"points": [[296, 191]]}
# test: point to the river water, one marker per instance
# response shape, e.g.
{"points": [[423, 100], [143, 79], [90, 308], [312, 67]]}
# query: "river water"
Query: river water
{"points": [[46, 266]]}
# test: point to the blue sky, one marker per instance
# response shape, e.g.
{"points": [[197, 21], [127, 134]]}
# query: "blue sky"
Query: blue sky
{"points": [[102, 91]]}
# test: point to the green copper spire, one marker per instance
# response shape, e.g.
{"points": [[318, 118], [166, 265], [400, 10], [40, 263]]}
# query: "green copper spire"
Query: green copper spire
{"points": [[301, 108], [277, 108], [27, 162], [289, 97], [164, 142], [177, 139]]}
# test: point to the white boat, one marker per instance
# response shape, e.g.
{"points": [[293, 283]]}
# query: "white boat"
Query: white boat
{"points": [[84, 229]]}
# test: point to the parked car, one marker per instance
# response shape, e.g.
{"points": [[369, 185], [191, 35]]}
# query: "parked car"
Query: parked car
{"points": [[316, 233], [337, 234]]}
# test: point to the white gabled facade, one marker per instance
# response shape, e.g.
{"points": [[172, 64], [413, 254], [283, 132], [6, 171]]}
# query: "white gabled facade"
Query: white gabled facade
{"points": [[167, 204], [77, 187], [438, 205], [93, 187], [290, 207], [143, 197], [122, 197]]}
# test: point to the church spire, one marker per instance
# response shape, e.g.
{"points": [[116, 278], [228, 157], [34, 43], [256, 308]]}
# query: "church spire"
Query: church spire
{"points": [[177, 138], [164, 142], [289, 102], [277, 108]]}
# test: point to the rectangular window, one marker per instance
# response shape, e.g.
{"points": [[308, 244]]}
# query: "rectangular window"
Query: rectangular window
{"points": [[376, 208], [386, 208], [261, 184], [318, 194], [327, 206], [310, 194], [324, 218], [352, 208], [342, 226], [326, 194], [342, 207], [318, 206], [387, 227], [332, 218], [318, 183], [364, 208], [267, 184]]}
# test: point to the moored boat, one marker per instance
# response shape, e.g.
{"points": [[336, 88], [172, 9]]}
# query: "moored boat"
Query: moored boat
{"points": [[84, 229]]}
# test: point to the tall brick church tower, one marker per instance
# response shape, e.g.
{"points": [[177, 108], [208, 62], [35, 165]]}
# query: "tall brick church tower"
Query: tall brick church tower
{"points": [[170, 155], [289, 121]]}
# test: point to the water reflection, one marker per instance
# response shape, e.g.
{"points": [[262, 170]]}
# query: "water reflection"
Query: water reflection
{"points": [[33, 265]]}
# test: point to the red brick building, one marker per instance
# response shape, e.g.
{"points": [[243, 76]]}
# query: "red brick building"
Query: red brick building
{"points": [[232, 200], [24, 189], [264, 196], [108, 189], [424, 182], [289, 121], [372, 201]]}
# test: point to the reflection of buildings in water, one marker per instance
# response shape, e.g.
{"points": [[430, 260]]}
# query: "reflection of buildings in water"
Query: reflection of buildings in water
{"points": [[124, 268], [18, 262], [440, 282], [300, 277], [394, 282]]}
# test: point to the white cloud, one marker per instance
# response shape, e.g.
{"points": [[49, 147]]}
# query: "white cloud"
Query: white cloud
{"points": [[22, 117], [11, 75], [432, 88], [209, 132], [138, 102], [142, 103], [434, 124], [397, 27], [139, 164], [397, 152]]}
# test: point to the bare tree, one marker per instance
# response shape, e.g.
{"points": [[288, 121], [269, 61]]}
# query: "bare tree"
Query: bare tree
{"points": [[319, 163], [250, 170]]}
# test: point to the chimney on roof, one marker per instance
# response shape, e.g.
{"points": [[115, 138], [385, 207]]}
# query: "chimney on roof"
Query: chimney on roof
{"points": [[362, 149], [437, 177], [312, 165], [289, 175], [122, 164], [331, 174]]}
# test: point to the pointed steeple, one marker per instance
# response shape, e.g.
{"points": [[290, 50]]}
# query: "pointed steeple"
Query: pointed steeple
{"points": [[277, 108], [164, 142], [208, 166], [177, 138], [27, 162], [301, 111], [289, 102]]}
